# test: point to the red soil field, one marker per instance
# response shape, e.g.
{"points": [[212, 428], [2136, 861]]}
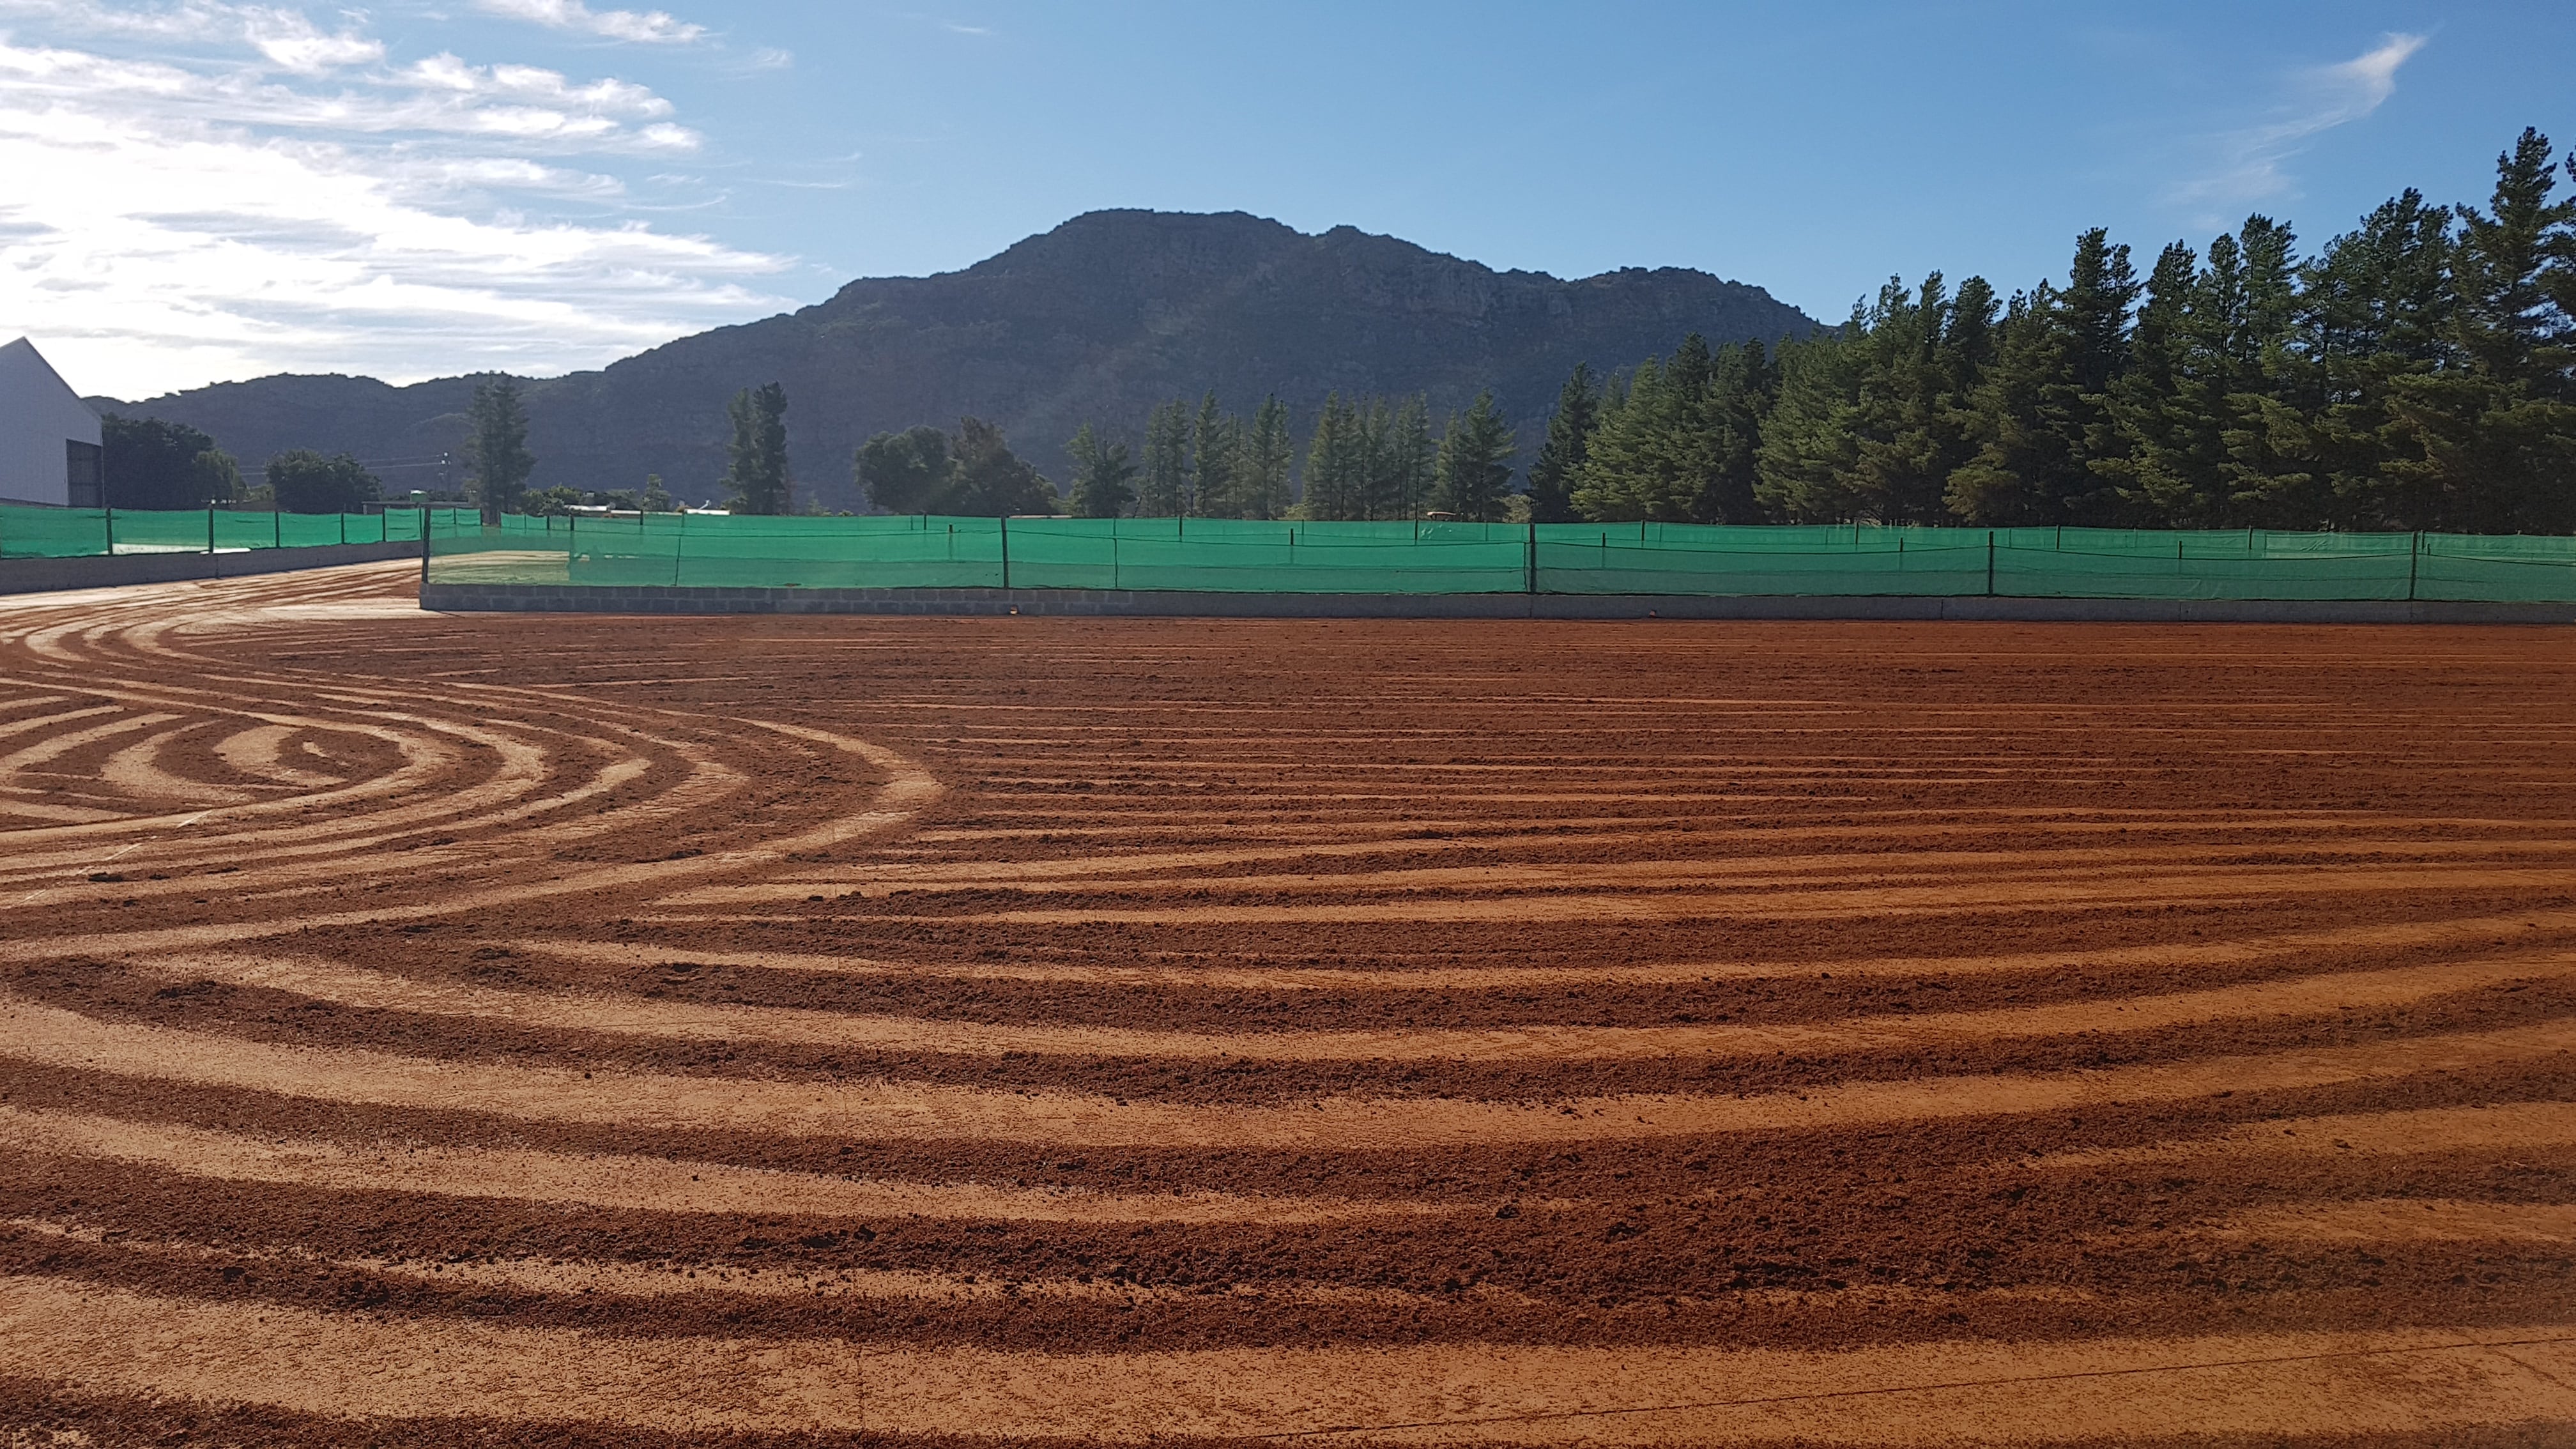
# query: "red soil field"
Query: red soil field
{"points": [[767, 1031]]}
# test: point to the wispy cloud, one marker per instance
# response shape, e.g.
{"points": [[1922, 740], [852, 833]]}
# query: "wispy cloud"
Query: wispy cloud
{"points": [[651, 27], [287, 38], [207, 190], [2248, 164]]}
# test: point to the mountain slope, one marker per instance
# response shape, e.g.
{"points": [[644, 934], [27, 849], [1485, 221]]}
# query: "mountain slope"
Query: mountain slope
{"points": [[1099, 319]]}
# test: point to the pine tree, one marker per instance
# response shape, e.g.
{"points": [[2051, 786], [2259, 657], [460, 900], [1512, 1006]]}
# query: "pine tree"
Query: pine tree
{"points": [[757, 457], [1903, 450], [1331, 474], [2376, 307], [1164, 489], [1742, 389], [1809, 453], [1560, 459], [1267, 455], [1373, 459], [1687, 442], [2275, 389], [496, 447], [2042, 417], [1412, 459], [2498, 431], [1475, 469], [1104, 481], [2166, 466], [1644, 458], [1216, 443]]}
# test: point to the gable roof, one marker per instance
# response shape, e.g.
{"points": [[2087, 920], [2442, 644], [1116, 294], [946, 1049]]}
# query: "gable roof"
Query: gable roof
{"points": [[22, 357]]}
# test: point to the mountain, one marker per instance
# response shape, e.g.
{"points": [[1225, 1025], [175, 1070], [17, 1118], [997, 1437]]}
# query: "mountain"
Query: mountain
{"points": [[1099, 319]]}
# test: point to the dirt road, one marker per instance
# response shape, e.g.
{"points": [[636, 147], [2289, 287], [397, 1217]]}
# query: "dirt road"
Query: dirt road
{"points": [[429, 1030]]}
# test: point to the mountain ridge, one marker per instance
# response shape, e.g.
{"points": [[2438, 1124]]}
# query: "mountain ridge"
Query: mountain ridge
{"points": [[1098, 320]]}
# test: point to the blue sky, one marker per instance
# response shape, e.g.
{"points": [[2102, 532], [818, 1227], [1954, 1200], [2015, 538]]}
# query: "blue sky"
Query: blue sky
{"points": [[209, 189]]}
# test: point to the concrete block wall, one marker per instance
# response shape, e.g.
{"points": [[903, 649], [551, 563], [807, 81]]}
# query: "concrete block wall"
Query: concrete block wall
{"points": [[650, 599], [48, 575]]}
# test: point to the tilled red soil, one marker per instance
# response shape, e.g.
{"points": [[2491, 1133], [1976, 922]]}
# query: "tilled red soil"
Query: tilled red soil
{"points": [[422, 1029]]}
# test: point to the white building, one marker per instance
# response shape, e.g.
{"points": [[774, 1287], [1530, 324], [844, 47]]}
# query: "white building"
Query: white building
{"points": [[49, 450]]}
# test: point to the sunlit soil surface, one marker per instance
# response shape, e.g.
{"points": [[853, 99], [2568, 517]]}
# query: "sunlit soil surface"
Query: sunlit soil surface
{"points": [[586, 1031]]}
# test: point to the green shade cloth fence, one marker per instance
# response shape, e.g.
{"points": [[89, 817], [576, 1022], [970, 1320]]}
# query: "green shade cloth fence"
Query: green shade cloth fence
{"points": [[95, 532], [1236, 556]]}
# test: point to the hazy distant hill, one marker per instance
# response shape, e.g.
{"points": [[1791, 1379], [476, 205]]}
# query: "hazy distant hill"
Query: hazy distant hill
{"points": [[1101, 319]]}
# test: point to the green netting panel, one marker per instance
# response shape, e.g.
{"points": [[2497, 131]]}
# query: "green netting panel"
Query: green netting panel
{"points": [[182, 531], [2179, 573], [1632, 558], [1681, 559], [1235, 555], [2460, 568], [52, 532], [89, 532]]}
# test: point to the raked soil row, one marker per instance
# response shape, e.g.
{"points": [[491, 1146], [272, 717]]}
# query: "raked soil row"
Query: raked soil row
{"points": [[433, 1030]]}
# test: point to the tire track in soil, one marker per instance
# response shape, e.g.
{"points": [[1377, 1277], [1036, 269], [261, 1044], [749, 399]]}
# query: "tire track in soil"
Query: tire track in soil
{"points": [[2322, 872]]}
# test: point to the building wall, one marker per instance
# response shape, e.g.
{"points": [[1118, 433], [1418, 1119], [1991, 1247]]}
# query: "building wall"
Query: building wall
{"points": [[39, 416]]}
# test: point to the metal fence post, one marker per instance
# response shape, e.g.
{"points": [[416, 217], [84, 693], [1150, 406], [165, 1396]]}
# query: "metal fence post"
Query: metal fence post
{"points": [[1006, 551], [210, 528], [2414, 547], [110, 511], [1990, 563], [1533, 555]]}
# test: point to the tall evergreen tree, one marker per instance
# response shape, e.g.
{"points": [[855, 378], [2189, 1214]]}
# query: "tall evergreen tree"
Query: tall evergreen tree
{"points": [[1268, 453], [1332, 464], [1215, 442], [1411, 461], [1104, 481], [1559, 463], [2166, 409], [1742, 388], [2376, 307], [1907, 416], [2043, 414], [1475, 468], [1373, 455], [1809, 459], [2498, 432], [496, 447], [756, 469], [1164, 489]]}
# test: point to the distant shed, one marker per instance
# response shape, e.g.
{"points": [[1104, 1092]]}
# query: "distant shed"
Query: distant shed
{"points": [[49, 443]]}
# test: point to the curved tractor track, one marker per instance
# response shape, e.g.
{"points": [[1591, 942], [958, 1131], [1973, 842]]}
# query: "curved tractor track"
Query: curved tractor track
{"points": [[421, 1030]]}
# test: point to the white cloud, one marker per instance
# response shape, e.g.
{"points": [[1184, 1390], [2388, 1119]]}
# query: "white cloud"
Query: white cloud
{"points": [[652, 27], [287, 38], [441, 95], [293, 42], [2249, 163], [294, 200]]}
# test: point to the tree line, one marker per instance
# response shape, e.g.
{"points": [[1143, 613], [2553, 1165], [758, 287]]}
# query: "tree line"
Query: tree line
{"points": [[2417, 372], [1365, 458], [152, 464]]}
